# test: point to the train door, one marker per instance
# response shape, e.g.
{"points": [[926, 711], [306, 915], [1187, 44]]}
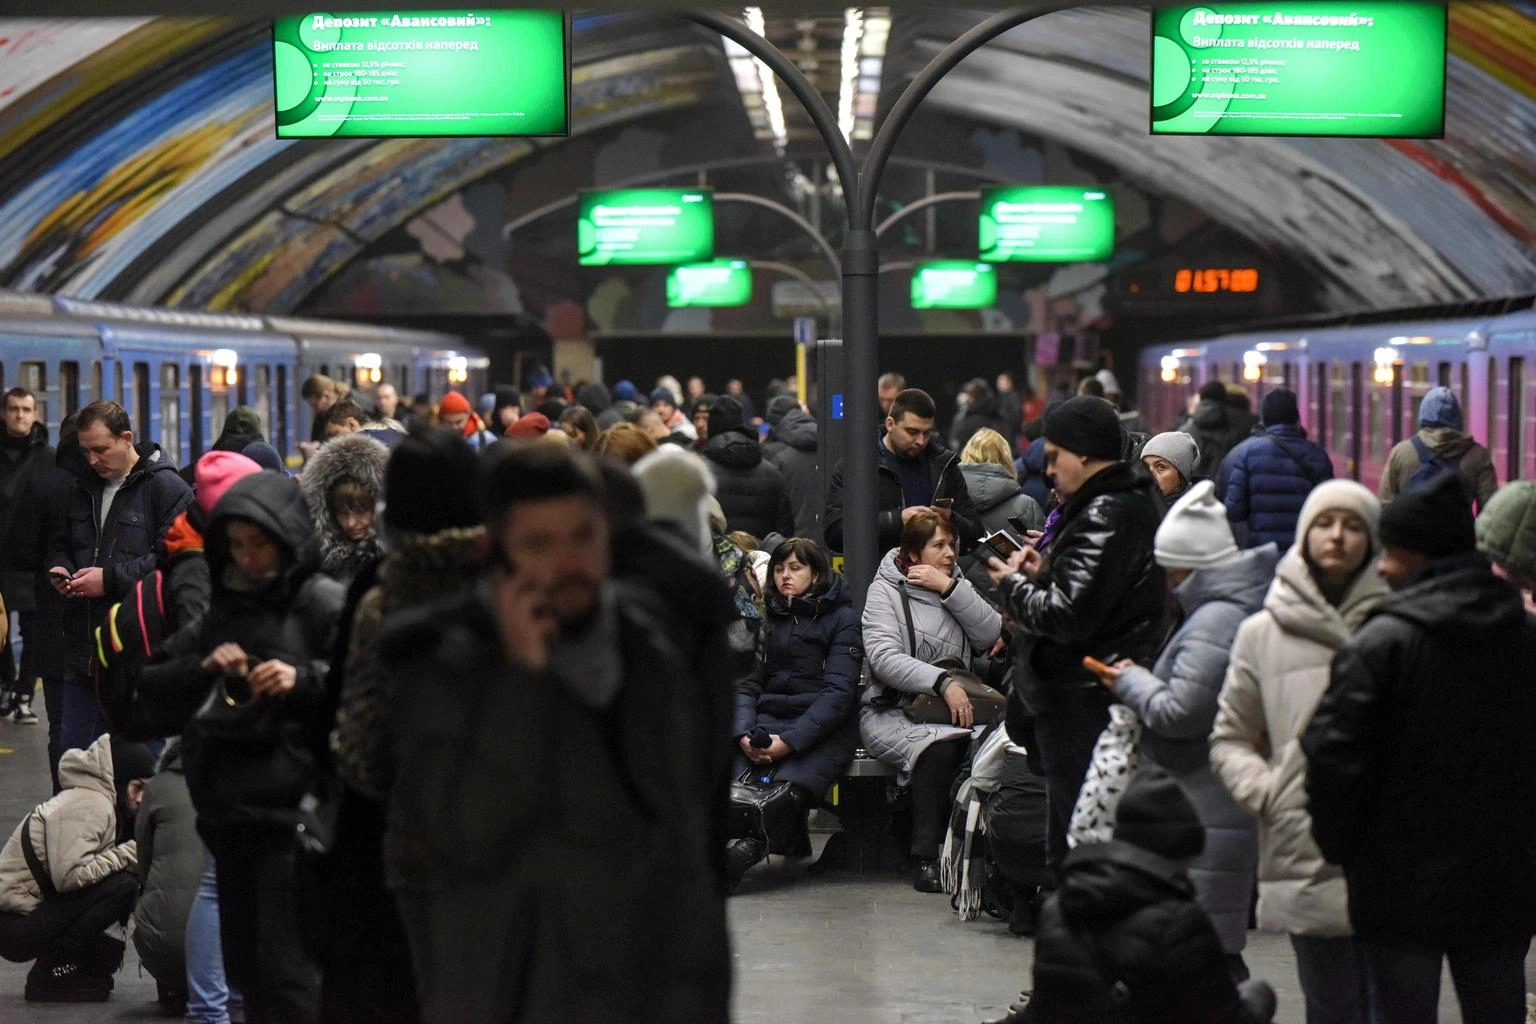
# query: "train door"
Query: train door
{"points": [[1518, 421], [69, 388], [1318, 402], [1357, 403], [263, 391], [139, 411], [195, 419], [1397, 402], [34, 377], [97, 381], [285, 411], [170, 411]]}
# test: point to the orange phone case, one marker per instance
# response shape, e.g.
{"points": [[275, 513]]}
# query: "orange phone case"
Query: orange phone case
{"points": [[1095, 666]]}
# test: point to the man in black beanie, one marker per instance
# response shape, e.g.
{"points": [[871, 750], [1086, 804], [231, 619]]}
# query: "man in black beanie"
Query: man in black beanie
{"points": [[1124, 939], [1097, 593], [1421, 774], [749, 487]]}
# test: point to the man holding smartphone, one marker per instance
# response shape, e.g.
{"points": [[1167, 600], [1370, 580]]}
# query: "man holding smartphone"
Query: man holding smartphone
{"points": [[125, 496], [1097, 593]]}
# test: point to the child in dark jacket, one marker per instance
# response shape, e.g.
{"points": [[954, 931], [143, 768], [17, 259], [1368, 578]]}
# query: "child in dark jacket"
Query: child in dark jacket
{"points": [[1123, 939]]}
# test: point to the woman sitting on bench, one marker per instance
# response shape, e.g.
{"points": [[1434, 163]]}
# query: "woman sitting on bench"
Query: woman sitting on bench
{"points": [[794, 713]]}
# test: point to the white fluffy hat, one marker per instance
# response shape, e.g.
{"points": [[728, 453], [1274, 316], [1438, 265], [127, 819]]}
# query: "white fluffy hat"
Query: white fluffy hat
{"points": [[1195, 533]]}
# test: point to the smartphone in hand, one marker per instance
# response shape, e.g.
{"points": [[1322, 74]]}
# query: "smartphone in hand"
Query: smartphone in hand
{"points": [[1097, 667], [1001, 544]]}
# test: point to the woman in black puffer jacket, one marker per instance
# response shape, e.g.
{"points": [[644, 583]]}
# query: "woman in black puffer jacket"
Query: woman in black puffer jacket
{"points": [[795, 714]]}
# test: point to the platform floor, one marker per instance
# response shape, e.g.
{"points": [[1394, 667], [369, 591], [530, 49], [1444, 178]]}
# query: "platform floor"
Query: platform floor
{"points": [[842, 948]]}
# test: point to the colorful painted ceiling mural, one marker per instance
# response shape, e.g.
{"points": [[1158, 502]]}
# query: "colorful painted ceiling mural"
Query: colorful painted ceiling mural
{"points": [[138, 159]]}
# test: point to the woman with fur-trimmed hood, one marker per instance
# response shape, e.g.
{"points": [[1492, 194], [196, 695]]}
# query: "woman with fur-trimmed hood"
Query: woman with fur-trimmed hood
{"points": [[342, 484]]}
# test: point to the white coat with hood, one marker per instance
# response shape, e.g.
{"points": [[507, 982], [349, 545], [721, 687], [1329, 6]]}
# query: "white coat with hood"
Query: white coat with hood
{"points": [[1278, 672], [954, 626], [74, 833]]}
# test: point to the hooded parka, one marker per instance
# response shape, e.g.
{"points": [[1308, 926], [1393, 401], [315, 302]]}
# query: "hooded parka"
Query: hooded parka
{"points": [[1176, 702], [750, 490], [355, 458], [958, 625], [791, 446], [19, 458], [807, 685], [171, 859]]}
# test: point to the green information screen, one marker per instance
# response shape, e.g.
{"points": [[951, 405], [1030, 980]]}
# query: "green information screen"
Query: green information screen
{"points": [[645, 226], [954, 284], [421, 73], [1314, 68], [716, 283], [1047, 224]]}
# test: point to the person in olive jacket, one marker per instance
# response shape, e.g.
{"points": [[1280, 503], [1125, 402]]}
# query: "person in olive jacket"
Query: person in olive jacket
{"points": [[1099, 592], [1421, 773], [802, 696]]}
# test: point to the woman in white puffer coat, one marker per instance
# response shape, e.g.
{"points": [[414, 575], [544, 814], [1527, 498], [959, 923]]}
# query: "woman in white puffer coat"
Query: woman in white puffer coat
{"points": [[1325, 586]]}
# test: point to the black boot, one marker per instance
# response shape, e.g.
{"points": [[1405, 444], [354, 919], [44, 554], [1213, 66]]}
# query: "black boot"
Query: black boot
{"points": [[925, 875], [60, 980], [1016, 1011], [103, 957], [741, 854]]}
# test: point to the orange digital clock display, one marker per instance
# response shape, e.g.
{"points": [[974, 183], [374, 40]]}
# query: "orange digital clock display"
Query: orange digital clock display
{"points": [[1216, 279]]}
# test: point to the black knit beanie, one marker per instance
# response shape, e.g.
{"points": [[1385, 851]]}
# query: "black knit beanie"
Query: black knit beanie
{"points": [[779, 407], [1085, 426], [1434, 518], [430, 483], [724, 415], [1279, 407], [1155, 814]]}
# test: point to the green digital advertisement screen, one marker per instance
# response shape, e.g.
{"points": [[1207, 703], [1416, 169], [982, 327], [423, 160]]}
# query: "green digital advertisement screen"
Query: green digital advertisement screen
{"points": [[716, 283], [386, 74], [1311, 68], [1046, 224], [645, 226], [954, 284]]}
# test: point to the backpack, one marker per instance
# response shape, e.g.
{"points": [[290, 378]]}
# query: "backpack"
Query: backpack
{"points": [[125, 646], [1431, 464]]}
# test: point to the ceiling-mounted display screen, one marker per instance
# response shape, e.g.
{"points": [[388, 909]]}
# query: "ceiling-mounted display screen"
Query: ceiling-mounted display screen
{"points": [[954, 284], [1046, 224], [645, 226], [716, 283], [387, 74], [1309, 68]]}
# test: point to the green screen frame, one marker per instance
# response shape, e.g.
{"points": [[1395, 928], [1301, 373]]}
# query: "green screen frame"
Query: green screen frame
{"points": [[977, 265], [668, 258], [990, 196], [732, 264]]}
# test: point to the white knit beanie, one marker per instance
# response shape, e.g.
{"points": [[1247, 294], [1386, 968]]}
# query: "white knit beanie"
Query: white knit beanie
{"points": [[1340, 494], [1195, 534], [1176, 448]]}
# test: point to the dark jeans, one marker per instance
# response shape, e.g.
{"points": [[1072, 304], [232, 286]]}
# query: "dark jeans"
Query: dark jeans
{"points": [[933, 777], [264, 954], [1404, 982], [1066, 743], [53, 702], [1332, 979], [82, 722], [65, 925]]}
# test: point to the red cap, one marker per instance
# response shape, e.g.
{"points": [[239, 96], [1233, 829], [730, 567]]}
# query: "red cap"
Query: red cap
{"points": [[453, 402], [531, 427], [216, 472]]}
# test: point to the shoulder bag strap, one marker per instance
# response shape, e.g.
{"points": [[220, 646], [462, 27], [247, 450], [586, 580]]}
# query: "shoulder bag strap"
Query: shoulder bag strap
{"points": [[1425, 455], [1312, 477], [906, 607], [34, 862]]}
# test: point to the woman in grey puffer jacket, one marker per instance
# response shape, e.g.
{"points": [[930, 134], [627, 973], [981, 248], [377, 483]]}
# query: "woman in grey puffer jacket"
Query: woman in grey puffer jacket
{"points": [[1217, 586], [993, 484], [947, 619]]}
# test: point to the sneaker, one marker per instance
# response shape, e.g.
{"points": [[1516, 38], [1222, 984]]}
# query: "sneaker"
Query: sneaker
{"points": [[24, 715], [65, 982]]}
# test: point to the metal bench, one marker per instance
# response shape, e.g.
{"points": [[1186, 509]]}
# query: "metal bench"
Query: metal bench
{"points": [[859, 800]]}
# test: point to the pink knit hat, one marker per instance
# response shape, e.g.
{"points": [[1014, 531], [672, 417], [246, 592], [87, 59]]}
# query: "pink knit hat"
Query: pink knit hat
{"points": [[216, 472]]}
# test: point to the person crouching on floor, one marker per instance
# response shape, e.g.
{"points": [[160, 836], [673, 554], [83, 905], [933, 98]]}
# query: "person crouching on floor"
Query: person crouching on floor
{"points": [[1123, 939], [65, 878]]}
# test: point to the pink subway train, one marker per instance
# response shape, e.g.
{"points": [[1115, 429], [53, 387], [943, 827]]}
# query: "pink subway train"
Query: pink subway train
{"points": [[1359, 385]]}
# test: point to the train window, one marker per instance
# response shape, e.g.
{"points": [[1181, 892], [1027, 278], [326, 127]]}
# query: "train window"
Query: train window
{"points": [[170, 410], [195, 419], [1516, 418], [96, 380], [1339, 408], [1491, 433], [1443, 375], [218, 397], [263, 397], [69, 387], [34, 377], [139, 414], [1465, 387], [1320, 417], [1356, 428], [243, 390], [283, 399], [1376, 425], [1288, 376]]}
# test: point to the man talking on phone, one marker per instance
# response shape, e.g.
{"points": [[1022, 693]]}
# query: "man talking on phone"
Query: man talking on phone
{"points": [[556, 774], [916, 472], [125, 496], [1098, 593]]}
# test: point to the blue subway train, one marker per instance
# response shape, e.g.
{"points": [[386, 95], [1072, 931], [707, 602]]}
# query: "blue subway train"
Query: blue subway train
{"points": [[1359, 384], [180, 372]]}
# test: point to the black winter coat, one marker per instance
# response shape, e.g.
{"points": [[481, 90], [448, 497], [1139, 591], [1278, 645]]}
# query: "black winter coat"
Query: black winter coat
{"points": [[791, 446], [807, 686], [750, 490], [39, 513], [1125, 915], [943, 470], [1100, 593], [151, 497], [1421, 775], [1216, 430], [260, 779], [20, 457]]}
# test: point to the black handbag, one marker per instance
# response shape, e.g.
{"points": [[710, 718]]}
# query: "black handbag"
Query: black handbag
{"points": [[761, 808], [988, 705]]}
